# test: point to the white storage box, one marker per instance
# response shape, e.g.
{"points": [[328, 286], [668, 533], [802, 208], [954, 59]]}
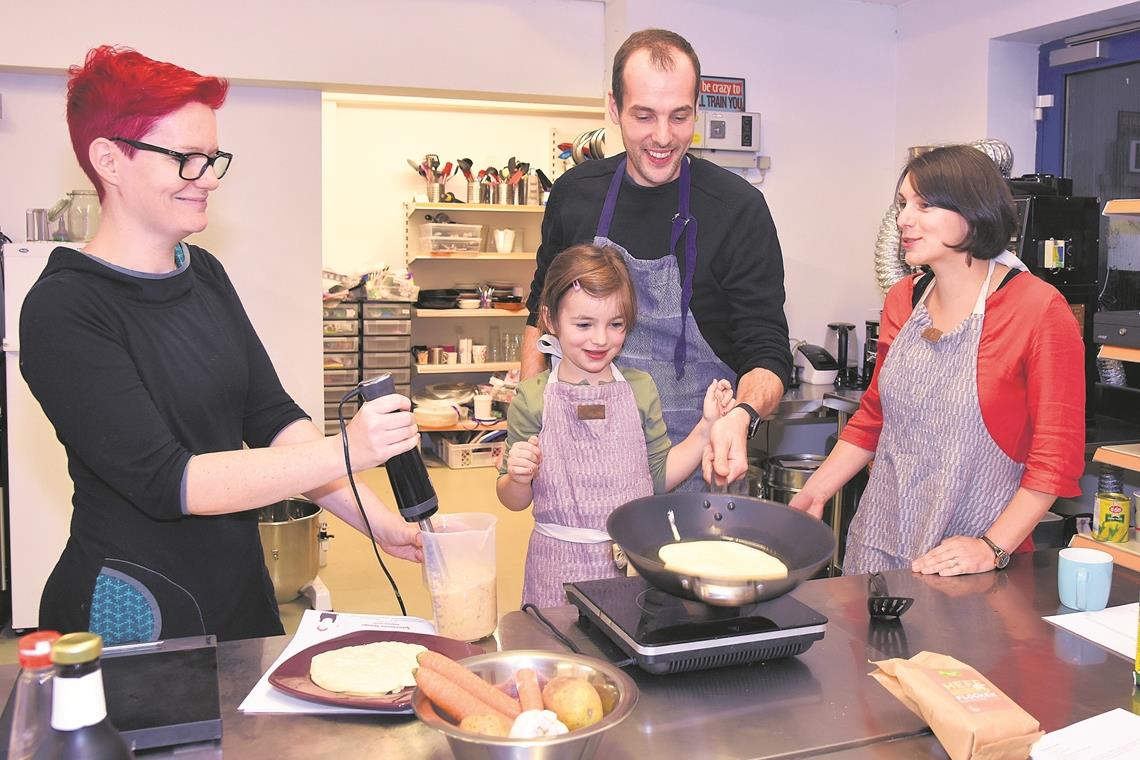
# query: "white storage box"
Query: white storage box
{"points": [[342, 376], [342, 311], [340, 327], [333, 345], [387, 327], [390, 362], [461, 456], [342, 361], [451, 238], [390, 343], [380, 310]]}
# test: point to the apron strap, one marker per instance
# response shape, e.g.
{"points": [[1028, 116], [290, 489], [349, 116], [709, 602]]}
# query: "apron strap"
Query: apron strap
{"points": [[608, 207], [980, 304], [573, 535], [684, 224]]}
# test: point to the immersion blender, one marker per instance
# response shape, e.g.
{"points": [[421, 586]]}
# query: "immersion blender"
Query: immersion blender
{"points": [[415, 496]]}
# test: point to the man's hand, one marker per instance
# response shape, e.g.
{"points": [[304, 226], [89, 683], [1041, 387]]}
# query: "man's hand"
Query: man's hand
{"points": [[726, 455]]}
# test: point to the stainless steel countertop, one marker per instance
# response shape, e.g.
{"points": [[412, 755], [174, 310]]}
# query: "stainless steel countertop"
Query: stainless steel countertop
{"points": [[820, 701]]}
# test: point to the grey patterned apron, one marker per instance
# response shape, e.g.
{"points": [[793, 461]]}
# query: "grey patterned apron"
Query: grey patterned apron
{"points": [[938, 472], [589, 468], [666, 341]]}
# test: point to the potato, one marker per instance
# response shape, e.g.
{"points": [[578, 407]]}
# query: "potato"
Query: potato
{"points": [[488, 725], [573, 700]]}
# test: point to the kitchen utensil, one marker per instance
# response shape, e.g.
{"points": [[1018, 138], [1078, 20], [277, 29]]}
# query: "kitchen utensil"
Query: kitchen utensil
{"points": [[843, 378], [618, 689], [292, 676], [880, 604], [290, 539], [641, 527], [543, 181]]}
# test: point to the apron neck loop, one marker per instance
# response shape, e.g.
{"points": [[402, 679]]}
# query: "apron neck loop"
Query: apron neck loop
{"points": [[608, 207], [686, 225]]}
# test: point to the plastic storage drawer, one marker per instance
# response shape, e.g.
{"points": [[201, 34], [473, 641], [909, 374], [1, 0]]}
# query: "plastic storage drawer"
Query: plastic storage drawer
{"points": [[387, 311], [390, 343], [334, 393], [342, 311], [342, 376], [461, 456], [334, 345], [459, 238], [387, 327], [342, 361], [350, 408], [340, 327], [399, 375], [389, 362]]}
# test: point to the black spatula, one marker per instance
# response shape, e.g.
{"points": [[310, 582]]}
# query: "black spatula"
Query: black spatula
{"points": [[879, 601]]}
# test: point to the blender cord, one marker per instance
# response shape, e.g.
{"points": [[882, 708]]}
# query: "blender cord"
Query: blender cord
{"points": [[354, 393]]}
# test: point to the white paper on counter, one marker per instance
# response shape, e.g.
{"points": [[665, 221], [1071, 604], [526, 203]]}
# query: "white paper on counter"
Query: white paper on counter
{"points": [[315, 627], [1114, 735], [1114, 628]]}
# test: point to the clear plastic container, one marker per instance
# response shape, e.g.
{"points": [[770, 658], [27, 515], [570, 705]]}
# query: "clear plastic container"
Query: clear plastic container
{"points": [[459, 572], [83, 214], [31, 711]]}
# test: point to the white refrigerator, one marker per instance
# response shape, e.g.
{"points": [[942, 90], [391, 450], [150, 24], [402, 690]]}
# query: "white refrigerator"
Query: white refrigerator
{"points": [[39, 490]]}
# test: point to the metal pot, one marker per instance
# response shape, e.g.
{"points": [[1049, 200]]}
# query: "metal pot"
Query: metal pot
{"points": [[290, 540], [785, 475]]}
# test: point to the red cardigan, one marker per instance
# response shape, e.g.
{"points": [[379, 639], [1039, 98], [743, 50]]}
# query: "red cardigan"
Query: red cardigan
{"points": [[1031, 381]]}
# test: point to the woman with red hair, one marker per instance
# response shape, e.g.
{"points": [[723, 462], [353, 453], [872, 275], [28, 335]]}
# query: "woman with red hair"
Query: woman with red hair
{"points": [[175, 424]]}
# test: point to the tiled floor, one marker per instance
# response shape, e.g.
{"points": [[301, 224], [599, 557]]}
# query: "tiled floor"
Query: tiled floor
{"points": [[354, 579]]}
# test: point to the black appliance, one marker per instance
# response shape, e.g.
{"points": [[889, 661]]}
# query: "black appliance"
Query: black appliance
{"points": [[1058, 239], [668, 634]]}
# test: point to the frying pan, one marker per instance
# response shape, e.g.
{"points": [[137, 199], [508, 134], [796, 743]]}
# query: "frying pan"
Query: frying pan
{"points": [[641, 527]]}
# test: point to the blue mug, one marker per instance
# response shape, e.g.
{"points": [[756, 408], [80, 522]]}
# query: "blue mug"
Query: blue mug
{"points": [[1084, 578]]}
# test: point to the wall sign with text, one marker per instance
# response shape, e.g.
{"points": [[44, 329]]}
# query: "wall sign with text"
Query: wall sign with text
{"points": [[721, 93]]}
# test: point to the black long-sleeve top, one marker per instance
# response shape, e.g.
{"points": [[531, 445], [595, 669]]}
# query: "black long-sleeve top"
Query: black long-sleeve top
{"points": [[738, 286], [138, 373]]}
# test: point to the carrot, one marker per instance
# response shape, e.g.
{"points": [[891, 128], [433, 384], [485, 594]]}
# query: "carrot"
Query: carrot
{"points": [[469, 682], [449, 697], [529, 693]]}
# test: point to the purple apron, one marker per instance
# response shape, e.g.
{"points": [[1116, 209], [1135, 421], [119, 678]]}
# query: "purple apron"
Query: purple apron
{"points": [[938, 472], [592, 463], [666, 341]]}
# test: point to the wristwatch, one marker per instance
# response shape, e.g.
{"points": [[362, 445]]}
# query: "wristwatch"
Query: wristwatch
{"points": [[1001, 556], [753, 417]]}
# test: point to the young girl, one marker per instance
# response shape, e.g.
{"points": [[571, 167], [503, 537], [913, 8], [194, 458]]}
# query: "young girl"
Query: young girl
{"points": [[583, 437]]}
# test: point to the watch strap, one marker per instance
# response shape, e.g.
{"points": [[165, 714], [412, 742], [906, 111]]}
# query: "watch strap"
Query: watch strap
{"points": [[753, 417]]}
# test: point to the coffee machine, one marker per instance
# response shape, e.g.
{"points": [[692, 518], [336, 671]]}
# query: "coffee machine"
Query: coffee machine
{"points": [[1058, 239]]}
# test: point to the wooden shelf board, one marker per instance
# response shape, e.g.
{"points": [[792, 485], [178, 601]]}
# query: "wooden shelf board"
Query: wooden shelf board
{"points": [[1126, 554], [474, 256], [463, 313], [454, 369], [461, 428], [501, 207], [1120, 353], [1129, 206], [1126, 455]]}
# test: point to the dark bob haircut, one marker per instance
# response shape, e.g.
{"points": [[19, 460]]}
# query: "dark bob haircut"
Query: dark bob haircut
{"points": [[964, 180]]}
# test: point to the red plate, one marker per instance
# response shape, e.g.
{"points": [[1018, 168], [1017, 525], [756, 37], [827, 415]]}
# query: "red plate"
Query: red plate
{"points": [[292, 676]]}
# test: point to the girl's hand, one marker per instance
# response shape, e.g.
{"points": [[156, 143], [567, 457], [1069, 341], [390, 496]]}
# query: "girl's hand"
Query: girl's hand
{"points": [[718, 400], [383, 428], [523, 461]]}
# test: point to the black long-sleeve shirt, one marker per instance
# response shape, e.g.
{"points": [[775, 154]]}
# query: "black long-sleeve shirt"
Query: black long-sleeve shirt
{"points": [[738, 285], [138, 373]]}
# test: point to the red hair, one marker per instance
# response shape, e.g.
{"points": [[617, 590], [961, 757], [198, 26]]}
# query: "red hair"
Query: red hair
{"points": [[118, 92]]}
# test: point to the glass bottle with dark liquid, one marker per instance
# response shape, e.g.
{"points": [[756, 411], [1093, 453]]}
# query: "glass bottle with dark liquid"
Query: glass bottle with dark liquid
{"points": [[80, 729]]}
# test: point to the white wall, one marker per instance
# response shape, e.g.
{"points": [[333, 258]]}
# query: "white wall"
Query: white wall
{"points": [[550, 47], [966, 68], [822, 75], [265, 223]]}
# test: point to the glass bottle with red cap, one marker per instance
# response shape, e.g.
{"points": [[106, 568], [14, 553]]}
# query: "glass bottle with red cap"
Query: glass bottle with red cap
{"points": [[31, 712]]}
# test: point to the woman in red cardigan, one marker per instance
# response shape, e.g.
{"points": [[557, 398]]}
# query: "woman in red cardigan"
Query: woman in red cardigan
{"points": [[975, 413]]}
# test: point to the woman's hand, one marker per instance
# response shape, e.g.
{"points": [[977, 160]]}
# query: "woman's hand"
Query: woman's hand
{"points": [[523, 461], [718, 400], [395, 536], [810, 501], [383, 428], [957, 555]]}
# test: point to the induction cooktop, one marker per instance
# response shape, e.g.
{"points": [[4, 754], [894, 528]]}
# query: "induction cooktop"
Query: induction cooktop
{"points": [[667, 634]]}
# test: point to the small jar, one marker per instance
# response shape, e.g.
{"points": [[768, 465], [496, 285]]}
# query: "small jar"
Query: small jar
{"points": [[83, 214]]}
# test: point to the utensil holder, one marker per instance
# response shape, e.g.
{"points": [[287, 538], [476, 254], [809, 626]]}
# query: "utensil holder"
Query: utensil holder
{"points": [[502, 193], [486, 192], [522, 192], [472, 192], [435, 191]]}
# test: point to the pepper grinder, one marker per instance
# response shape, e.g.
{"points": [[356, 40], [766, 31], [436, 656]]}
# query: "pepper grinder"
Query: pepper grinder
{"points": [[843, 377]]}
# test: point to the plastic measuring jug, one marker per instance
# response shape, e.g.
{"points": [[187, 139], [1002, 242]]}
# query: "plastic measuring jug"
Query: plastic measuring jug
{"points": [[460, 574]]}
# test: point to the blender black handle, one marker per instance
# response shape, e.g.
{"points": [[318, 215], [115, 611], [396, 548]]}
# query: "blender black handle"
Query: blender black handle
{"points": [[415, 496]]}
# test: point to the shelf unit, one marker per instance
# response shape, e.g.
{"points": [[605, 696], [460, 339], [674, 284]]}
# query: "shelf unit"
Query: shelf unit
{"points": [[473, 256], [457, 369], [464, 313], [1123, 207], [501, 207], [1126, 456]]}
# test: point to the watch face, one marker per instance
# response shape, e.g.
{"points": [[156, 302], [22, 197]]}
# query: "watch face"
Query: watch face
{"points": [[1002, 560]]}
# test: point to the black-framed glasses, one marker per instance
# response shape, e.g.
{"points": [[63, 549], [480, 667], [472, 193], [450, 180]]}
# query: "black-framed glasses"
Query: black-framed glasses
{"points": [[191, 166]]}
